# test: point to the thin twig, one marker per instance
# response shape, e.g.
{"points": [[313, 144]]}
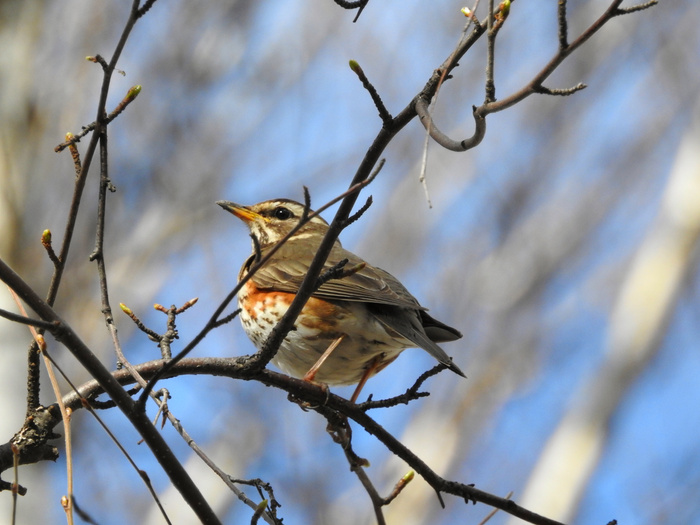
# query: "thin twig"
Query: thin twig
{"points": [[490, 55], [17, 318], [561, 92], [533, 87], [411, 393], [563, 25], [494, 511], [65, 412], [636, 8], [378, 103], [452, 61], [63, 333], [71, 139], [346, 4]]}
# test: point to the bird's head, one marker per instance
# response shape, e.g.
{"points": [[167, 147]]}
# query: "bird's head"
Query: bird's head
{"points": [[270, 221]]}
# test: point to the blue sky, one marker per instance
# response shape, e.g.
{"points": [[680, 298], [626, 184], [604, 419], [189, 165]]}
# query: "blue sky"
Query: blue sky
{"points": [[251, 103]]}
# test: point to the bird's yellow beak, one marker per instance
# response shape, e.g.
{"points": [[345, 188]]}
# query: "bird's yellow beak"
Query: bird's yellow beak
{"points": [[242, 212]]}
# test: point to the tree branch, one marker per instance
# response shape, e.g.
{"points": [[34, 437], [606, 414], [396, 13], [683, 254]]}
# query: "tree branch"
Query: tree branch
{"points": [[322, 401]]}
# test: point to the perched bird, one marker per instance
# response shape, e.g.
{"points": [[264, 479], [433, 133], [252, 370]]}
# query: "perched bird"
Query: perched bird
{"points": [[352, 327]]}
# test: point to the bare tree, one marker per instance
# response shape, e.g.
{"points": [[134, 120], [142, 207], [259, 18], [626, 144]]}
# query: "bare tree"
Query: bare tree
{"points": [[207, 97]]}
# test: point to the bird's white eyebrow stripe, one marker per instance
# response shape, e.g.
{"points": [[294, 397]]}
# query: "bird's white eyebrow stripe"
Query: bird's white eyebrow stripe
{"points": [[298, 236]]}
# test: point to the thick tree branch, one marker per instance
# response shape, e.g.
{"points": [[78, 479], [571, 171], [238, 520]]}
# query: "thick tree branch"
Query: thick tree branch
{"points": [[65, 335], [323, 400]]}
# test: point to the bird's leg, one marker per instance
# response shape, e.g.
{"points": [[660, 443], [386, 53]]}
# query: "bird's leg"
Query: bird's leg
{"points": [[311, 374], [371, 369]]}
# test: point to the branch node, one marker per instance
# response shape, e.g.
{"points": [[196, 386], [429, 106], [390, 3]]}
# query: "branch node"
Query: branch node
{"points": [[72, 139]]}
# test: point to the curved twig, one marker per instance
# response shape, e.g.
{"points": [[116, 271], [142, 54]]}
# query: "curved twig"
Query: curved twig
{"points": [[535, 86], [446, 142]]}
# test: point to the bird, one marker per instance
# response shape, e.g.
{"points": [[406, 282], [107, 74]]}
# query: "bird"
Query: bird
{"points": [[351, 327]]}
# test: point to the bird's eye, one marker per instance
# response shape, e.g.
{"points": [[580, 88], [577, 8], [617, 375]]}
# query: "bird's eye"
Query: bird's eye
{"points": [[281, 213]]}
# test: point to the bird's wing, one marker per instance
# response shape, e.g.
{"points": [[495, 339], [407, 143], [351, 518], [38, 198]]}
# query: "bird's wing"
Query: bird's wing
{"points": [[388, 299], [370, 284], [437, 331], [410, 327]]}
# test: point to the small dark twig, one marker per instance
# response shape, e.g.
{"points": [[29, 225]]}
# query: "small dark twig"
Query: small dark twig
{"points": [[82, 513], [361, 4], [256, 249], [104, 405], [171, 333], [634, 9], [411, 393], [17, 318], [345, 4], [261, 486], [400, 485], [425, 376], [98, 59], [189, 304], [307, 205], [359, 11], [494, 23], [490, 56], [378, 103], [359, 213], [75, 154], [536, 83], [6, 485], [560, 92], [145, 8], [33, 378], [152, 335], [563, 26], [372, 492], [334, 272], [46, 243], [72, 139], [225, 320], [341, 432]]}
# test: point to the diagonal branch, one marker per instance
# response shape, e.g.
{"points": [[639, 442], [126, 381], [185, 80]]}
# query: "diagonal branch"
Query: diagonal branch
{"points": [[64, 334]]}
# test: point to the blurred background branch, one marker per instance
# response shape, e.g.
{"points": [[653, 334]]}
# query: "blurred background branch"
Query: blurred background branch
{"points": [[533, 248]]}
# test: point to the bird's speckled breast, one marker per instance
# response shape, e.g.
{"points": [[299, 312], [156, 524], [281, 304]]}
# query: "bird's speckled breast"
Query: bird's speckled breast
{"points": [[320, 323]]}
